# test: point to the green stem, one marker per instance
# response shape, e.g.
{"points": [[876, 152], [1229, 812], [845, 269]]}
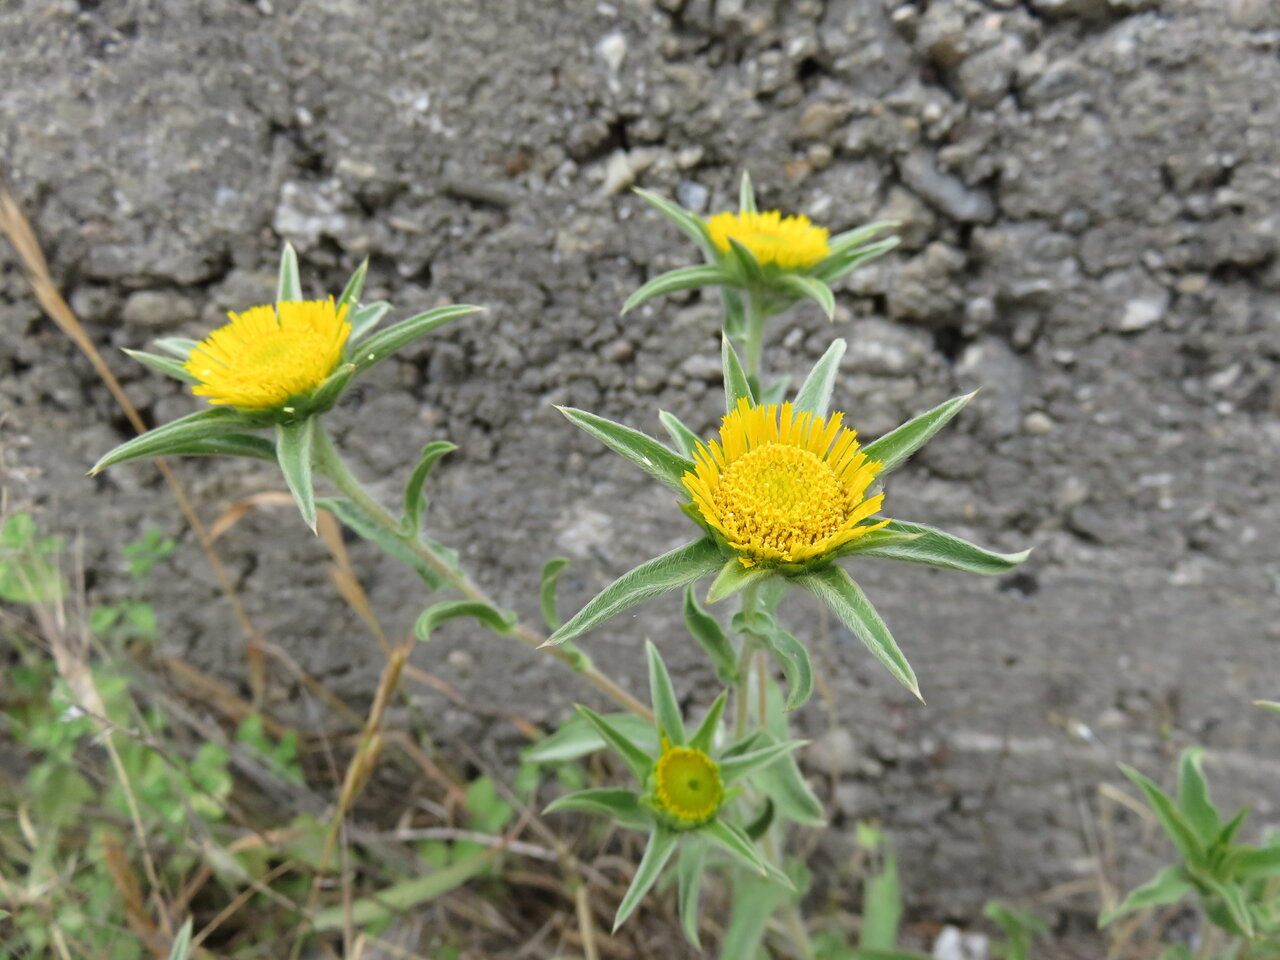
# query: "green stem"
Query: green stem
{"points": [[329, 462], [742, 689], [754, 345]]}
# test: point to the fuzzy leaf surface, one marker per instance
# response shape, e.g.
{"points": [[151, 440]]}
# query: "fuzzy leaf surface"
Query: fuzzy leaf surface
{"points": [[201, 425], [900, 443], [705, 629], [166, 365], [918, 543], [736, 386], [814, 395], [293, 453], [648, 454], [381, 345], [662, 843], [415, 501], [1168, 886], [622, 805], [436, 614], [673, 281]]}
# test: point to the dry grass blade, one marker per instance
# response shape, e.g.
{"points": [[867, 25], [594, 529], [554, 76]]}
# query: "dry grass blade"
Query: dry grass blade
{"points": [[235, 513], [15, 225]]}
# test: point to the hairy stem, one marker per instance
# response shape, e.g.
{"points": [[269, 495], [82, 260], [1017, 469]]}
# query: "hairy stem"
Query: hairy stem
{"points": [[329, 462], [754, 341]]}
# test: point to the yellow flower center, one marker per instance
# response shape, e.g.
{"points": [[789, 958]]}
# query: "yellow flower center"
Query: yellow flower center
{"points": [[782, 486], [269, 354], [793, 243], [688, 784]]}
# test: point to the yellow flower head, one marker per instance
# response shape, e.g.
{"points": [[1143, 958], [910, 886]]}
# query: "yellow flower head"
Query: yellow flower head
{"points": [[269, 354], [793, 243], [687, 783], [784, 486]]}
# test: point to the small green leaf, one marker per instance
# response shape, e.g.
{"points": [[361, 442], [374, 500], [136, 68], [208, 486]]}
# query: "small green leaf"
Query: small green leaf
{"points": [[1237, 907], [1020, 928], [228, 445], [671, 571], [758, 826], [686, 440], [735, 313], [736, 386], [793, 657], [1171, 818], [755, 901], [1272, 705], [733, 841], [577, 738], [355, 286], [198, 426], [406, 896], [842, 243], [1229, 830], [381, 345], [689, 866], [673, 281], [747, 264], [622, 805], [662, 843], [1251, 864], [1193, 797], [180, 347], [801, 286], [1168, 886], [735, 768], [551, 571], [918, 543], [847, 601], [733, 577], [293, 453], [705, 735], [898, 444], [182, 942], [363, 320], [355, 518], [436, 614], [746, 195], [838, 265], [666, 708], [693, 226], [645, 452], [711, 637], [637, 761], [415, 501], [881, 906], [289, 287], [166, 365], [324, 397], [815, 392]]}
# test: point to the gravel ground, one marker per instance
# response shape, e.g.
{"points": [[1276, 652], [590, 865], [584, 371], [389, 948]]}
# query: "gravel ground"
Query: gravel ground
{"points": [[1090, 193]]}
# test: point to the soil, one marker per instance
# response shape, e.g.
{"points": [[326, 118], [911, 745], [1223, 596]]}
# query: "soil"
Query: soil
{"points": [[1090, 199]]}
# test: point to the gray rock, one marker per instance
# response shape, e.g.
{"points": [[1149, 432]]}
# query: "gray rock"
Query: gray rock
{"points": [[945, 191], [158, 310]]}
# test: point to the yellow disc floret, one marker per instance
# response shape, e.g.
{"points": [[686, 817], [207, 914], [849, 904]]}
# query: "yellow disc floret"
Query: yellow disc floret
{"points": [[269, 354], [793, 243], [687, 783], [784, 486]]}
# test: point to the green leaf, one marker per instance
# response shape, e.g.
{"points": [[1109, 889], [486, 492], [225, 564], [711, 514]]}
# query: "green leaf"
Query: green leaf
{"points": [[1020, 928], [324, 397], [577, 738], [689, 866], [673, 281], [381, 345], [736, 386], [838, 265], [881, 906], [815, 392], [1171, 818], [733, 841], [735, 768], [415, 501], [180, 347], [1229, 830], [735, 312], [551, 571], [1193, 797], [289, 287], [746, 195], [1272, 705], [1251, 864], [293, 453], [355, 518], [733, 577], [363, 320], [166, 365], [355, 286], [662, 843], [1168, 886], [748, 266], [622, 805], [842, 243], [936, 548], [693, 226], [667, 572], [847, 601], [774, 394], [898, 444], [810, 287], [436, 614], [645, 452], [705, 735], [406, 896], [182, 942], [759, 825], [201, 425], [793, 657], [705, 629], [666, 708], [686, 440], [228, 445], [1237, 907], [637, 761], [755, 901]]}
